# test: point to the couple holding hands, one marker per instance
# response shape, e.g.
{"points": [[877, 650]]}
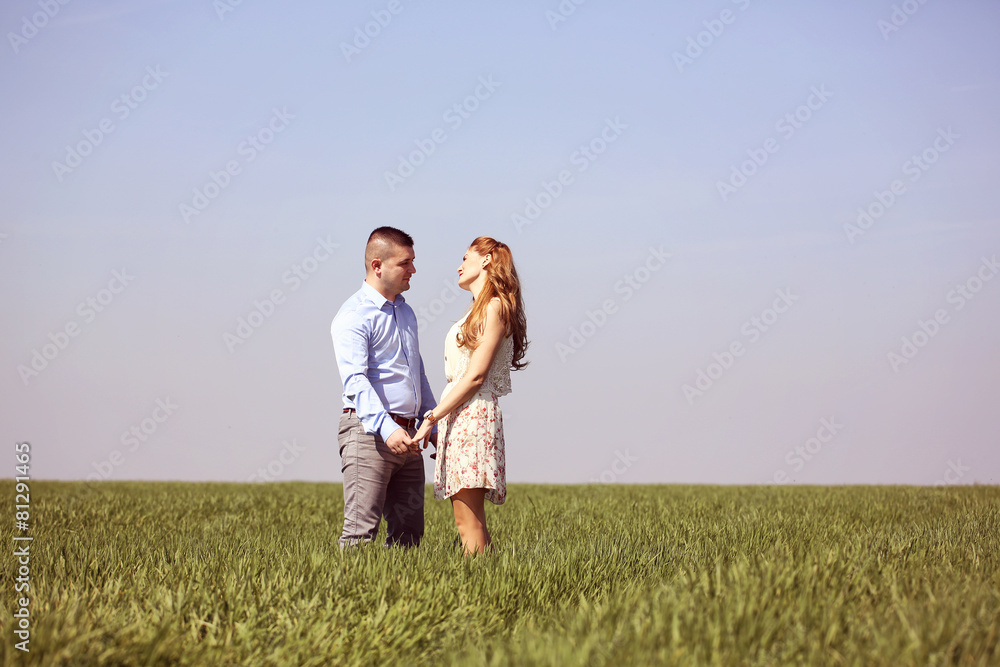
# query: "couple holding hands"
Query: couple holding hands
{"points": [[389, 407]]}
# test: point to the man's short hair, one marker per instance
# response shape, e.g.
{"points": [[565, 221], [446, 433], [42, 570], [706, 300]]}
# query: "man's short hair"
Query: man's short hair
{"points": [[382, 241]]}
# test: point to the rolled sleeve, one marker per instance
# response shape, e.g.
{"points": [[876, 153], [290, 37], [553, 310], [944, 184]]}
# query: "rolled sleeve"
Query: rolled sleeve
{"points": [[426, 395]]}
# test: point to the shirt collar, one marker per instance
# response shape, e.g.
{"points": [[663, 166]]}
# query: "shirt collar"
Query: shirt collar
{"points": [[375, 297]]}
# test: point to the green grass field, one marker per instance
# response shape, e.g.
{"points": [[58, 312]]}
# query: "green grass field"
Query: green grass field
{"points": [[217, 574]]}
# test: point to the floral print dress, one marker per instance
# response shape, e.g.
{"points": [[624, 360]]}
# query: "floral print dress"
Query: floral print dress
{"points": [[470, 451]]}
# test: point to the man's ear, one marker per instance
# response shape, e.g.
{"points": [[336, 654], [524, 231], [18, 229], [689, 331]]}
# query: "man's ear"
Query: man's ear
{"points": [[377, 266]]}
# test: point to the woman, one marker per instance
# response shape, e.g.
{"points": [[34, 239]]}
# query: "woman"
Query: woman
{"points": [[480, 351]]}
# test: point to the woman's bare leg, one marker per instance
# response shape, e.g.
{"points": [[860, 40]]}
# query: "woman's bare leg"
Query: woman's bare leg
{"points": [[470, 518]]}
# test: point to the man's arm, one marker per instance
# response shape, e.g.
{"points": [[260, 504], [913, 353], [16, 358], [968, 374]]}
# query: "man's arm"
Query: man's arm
{"points": [[350, 343], [426, 395]]}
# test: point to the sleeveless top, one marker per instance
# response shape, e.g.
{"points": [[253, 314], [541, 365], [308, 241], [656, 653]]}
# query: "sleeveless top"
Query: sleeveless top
{"points": [[456, 362]]}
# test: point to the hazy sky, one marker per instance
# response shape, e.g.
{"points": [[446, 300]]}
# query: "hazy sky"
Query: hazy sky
{"points": [[758, 241]]}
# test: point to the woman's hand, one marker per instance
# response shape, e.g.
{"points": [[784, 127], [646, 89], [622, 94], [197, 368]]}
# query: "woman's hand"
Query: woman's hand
{"points": [[424, 432]]}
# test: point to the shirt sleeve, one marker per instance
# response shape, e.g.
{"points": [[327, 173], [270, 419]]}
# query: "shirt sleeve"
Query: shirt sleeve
{"points": [[350, 343], [426, 395]]}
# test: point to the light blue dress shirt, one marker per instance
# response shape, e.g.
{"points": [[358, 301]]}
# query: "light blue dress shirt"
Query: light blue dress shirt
{"points": [[379, 360]]}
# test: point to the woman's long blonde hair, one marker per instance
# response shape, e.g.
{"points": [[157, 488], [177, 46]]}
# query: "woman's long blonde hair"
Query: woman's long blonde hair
{"points": [[502, 282]]}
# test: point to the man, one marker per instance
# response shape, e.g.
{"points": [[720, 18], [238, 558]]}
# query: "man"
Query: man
{"points": [[385, 389]]}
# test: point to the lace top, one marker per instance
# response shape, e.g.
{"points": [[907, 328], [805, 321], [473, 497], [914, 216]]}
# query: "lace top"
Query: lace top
{"points": [[456, 362]]}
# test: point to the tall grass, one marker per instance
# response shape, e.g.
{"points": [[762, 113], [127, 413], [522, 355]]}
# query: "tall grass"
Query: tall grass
{"points": [[216, 574]]}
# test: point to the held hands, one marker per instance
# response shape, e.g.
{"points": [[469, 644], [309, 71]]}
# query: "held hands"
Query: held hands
{"points": [[400, 443], [424, 432]]}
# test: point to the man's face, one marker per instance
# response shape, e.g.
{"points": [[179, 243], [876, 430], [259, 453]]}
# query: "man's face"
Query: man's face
{"points": [[397, 269]]}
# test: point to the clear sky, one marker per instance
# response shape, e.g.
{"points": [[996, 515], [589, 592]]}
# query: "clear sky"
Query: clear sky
{"points": [[758, 241]]}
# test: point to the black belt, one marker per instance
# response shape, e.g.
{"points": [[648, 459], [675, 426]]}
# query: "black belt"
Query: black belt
{"points": [[405, 422]]}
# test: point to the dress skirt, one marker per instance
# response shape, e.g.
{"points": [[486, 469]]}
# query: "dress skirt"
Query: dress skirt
{"points": [[470, 450]]}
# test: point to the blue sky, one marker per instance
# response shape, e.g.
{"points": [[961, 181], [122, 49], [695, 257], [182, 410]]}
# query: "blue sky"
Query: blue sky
{"points": [[820, 111]]}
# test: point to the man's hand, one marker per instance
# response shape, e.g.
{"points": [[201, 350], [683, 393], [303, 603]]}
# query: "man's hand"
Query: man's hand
{"points": [[399, 442]]}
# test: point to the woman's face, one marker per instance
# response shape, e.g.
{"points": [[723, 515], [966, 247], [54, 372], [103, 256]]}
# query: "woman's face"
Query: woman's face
{"points": [[472, 266]]}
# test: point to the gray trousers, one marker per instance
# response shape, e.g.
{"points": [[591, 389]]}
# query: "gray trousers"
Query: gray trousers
{"points": [[379, 483]]}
